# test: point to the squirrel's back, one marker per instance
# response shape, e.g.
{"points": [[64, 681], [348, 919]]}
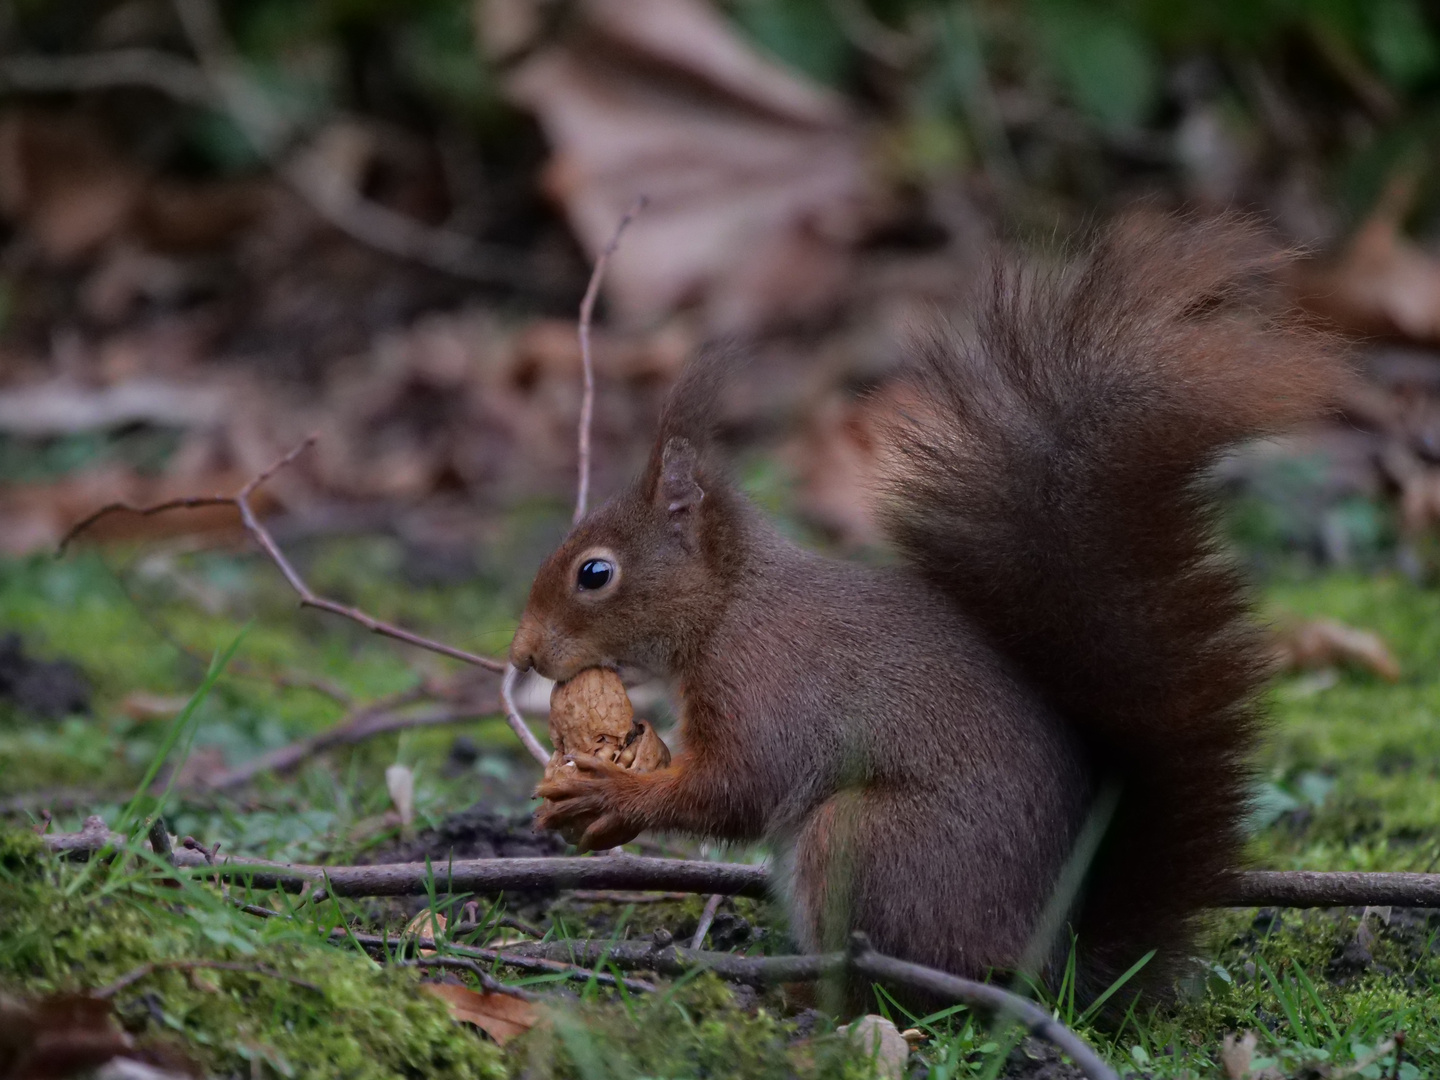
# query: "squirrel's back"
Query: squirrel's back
{"points": [[1051, 483]]}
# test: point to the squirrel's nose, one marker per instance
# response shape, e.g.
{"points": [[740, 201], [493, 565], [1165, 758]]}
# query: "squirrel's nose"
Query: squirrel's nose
{"points": [[525, 644]]}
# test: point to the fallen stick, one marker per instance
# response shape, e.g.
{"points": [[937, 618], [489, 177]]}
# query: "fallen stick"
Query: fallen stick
{"points": [[1255, 888], [488, 982], [676, 960], [375, 943], [861, 959], [1332, 888], [479, 876]]}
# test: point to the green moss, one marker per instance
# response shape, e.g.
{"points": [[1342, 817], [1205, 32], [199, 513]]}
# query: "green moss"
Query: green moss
{"points": [[695, 1031], [71, 928], [1360, 757]]}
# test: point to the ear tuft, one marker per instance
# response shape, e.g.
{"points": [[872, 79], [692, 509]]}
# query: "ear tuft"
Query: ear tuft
{"points": [[679, 492]]}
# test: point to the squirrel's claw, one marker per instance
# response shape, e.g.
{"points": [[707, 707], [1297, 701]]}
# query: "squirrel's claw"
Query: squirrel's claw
{"points": [[581, 806]]}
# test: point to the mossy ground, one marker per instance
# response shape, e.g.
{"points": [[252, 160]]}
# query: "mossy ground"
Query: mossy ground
{"points": [[1349, 774]]}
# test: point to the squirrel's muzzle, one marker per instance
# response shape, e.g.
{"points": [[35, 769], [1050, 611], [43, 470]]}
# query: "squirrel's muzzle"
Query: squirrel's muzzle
{"points": [[526, 643]]}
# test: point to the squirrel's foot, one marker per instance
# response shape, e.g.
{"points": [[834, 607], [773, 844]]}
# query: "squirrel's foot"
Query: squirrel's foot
{"points": [[585, 806]]}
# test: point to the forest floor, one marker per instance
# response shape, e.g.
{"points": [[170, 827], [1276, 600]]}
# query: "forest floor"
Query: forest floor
{"points": [[1348, 781]]}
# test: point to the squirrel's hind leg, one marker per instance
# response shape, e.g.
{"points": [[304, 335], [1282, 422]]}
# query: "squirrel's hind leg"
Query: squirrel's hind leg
{"points": [[924, 884]]}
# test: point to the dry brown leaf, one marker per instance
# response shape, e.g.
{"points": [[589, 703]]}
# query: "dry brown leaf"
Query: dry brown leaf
{"points": [[839, 459], [500, 1016], [61, 181], [1321, 643], [755, 177], [1419, 485], [429, 924], [143, 705], [1382, 284], [58, 1036], [835, 460], [37, 515]]}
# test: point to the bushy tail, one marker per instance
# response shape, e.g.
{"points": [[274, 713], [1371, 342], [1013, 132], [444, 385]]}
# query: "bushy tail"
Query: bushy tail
{"points": [[1051, 482]]}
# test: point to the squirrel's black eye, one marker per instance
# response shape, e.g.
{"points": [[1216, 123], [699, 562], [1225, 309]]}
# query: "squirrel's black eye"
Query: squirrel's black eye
{"points": [[595, 573]]}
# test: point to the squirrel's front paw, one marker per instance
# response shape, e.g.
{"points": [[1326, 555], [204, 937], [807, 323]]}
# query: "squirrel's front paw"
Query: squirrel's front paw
{"points": [[582, 804]]}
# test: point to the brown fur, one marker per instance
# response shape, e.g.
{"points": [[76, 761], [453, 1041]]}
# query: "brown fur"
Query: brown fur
{"points": [[923, 743]]}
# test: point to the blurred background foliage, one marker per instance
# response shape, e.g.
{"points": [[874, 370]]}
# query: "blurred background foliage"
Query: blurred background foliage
{"points": [[945, 73]]}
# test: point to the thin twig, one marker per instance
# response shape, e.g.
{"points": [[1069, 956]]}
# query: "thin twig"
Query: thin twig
{"points": [[615, 896], [1037, 1021], [308, 598], [861, 959], [509, 922], [365, 723], [153, 966], [488, 982], [587, 363], [1331, 888], [574, 972], [515, 720], [675, 960], [706, 918], [316, 685]]}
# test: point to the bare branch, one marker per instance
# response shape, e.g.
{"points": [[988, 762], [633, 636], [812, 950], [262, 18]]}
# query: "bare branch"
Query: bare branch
{"points": [[488, 982], [587, 363], [480, 876], [1256, 888], [515, 720], [1036, 1020], [509, 922], [1331, 888], [376, 943], [308, 598], [673, 961]]}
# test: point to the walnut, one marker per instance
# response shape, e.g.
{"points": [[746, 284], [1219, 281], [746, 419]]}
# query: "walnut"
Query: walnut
{"points": [[591, 714]]}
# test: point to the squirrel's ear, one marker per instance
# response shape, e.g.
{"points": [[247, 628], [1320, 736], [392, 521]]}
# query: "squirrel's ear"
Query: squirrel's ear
{"points": [[678, 493]]}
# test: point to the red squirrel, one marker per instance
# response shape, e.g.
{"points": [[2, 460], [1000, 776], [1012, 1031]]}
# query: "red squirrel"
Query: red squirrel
{"points": [[923, 743]]}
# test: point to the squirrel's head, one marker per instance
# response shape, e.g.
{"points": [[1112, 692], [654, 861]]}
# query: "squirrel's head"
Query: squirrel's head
{"points": [[638, 583]]}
